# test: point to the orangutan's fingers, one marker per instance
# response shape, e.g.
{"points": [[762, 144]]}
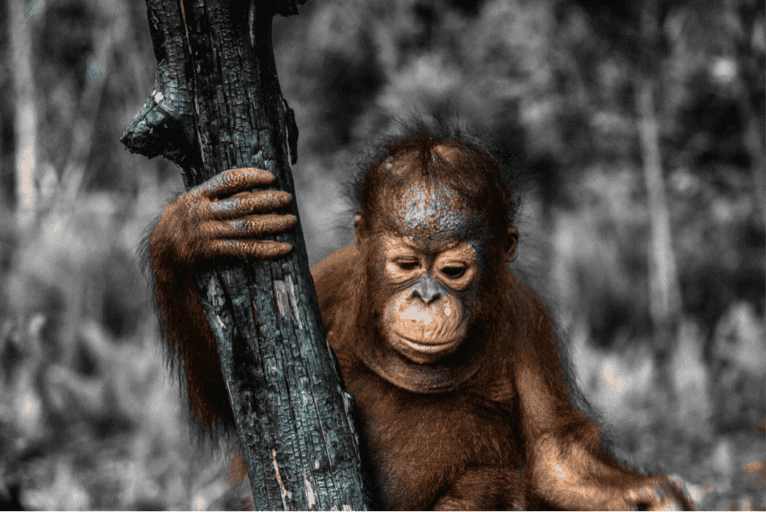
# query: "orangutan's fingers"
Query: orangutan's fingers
{"points": [[256, 249], [236, 180], [252, 226], [245, 203]]}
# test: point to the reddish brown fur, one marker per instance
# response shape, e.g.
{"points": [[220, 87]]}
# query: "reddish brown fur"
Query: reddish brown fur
{"points": [[184, 322], [424, 445], [420, 445]]}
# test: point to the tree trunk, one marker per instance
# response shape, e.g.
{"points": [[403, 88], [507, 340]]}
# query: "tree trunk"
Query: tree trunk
{"points": [[25, 114], [664, 286], [217, 105], [664, 296], [755, 143]]}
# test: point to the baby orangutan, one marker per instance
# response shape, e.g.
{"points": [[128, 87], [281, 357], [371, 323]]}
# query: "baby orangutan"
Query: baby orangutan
{"points": [[454, 363]]}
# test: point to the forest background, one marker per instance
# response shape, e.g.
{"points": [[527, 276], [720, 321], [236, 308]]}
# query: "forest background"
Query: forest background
{"points": [[89, 417]]}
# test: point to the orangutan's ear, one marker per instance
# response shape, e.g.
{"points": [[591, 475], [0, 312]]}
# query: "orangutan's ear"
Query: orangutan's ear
{"points": [[512, 241]]}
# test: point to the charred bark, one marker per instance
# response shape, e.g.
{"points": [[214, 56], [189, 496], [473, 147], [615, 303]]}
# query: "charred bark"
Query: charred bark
{"points": [[217, 105]]}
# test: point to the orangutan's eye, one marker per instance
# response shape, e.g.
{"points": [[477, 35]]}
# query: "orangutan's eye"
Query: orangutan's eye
{"points": [[407, 265], [453, 272]]}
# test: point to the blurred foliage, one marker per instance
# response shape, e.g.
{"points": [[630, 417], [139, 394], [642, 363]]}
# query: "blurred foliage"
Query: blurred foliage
{"points": [[88, 415]]}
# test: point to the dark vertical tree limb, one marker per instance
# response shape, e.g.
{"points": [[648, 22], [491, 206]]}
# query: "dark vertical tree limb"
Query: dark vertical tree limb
{"points": [[217, 105]]}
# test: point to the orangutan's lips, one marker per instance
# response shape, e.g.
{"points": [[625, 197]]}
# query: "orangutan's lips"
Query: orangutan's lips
{"points": [[427, 347]]}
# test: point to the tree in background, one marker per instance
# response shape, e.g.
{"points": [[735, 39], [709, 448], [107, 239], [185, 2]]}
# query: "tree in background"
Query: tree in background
{"points": [[26, 164]]}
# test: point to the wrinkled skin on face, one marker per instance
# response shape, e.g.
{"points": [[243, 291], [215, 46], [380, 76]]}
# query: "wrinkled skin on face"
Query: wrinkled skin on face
{"points": [[426, 319], [424, 281], [431, 265]]}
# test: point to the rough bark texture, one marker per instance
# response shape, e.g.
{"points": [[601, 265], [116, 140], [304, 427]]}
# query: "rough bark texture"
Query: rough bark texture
{"points": [[217, 105]]}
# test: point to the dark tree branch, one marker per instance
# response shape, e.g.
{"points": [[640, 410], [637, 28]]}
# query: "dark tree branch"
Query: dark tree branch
{"points": [[217, 105]]}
